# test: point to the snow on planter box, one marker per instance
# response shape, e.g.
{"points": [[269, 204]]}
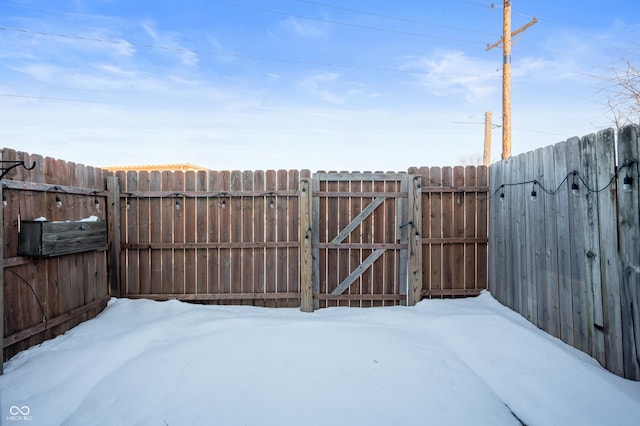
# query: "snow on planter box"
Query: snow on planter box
{"points": [[41, 238]]}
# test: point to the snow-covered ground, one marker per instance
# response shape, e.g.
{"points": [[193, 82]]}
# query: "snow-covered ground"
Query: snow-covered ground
{"points": [[442, 362]]}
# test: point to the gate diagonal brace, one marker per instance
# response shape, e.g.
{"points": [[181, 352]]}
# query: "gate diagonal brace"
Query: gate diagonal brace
{"points": [[358, 220], [355, 274]]}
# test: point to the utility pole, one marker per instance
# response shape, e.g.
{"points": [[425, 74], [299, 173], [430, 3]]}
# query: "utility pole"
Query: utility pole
{"points": [[506, 74], [506, 80], [487, 138]]}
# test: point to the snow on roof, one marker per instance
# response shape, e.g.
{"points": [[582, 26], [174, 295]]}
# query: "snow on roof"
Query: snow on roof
{"points": [[179, 167]]}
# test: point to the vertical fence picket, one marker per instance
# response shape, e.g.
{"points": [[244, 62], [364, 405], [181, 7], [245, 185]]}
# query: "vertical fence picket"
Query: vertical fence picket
{"points": [[271, 237], [482, 218], [293, 216], [629, 234], [214, 235], [537, 228], [132, 283], [458, 249], [564, 248], [167, 207], [155, 210], [225, 234], [191, 233], [281, 264], [551, 311], [609, 259], [448, 264], [124, 211], [202, 234], [178, 217], [379, 267], [425, 231], [260, 205], [235, 210], [342, 255], [390, 236], [522, 195], [247, 234], [355, 255], [144, 234], [366, 237], [591, 259], [470, 229], [577, 207], [437, 218]]}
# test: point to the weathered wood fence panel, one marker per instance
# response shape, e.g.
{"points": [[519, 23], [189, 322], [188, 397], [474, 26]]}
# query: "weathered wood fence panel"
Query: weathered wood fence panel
{"points": [[565, 243], [226, 236], [45, 296], [454, 232], [361, 242]]}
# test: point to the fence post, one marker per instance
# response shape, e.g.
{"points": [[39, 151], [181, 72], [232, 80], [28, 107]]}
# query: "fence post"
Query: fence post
{"points": [[415, 241], [306, 256], [113, 234]]}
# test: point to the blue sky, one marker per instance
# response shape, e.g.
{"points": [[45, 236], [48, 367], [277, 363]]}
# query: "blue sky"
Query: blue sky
{"points": [[324, 85]]}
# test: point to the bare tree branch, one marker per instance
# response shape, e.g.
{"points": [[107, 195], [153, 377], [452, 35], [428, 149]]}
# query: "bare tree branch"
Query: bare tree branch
{"points": [[623, 92]]}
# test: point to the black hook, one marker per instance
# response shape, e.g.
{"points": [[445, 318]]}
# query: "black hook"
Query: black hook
{"points": [[7, 165]]}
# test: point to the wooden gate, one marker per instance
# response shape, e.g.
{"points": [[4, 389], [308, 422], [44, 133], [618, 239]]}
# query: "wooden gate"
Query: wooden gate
{"points": [[365, 239]]}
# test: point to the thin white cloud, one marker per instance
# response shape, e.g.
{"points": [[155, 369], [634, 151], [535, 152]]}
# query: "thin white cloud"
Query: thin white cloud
{"points": [[304, 28], [169, 40], [454, 73], [124, 48], [316, 86], [331, 87]]}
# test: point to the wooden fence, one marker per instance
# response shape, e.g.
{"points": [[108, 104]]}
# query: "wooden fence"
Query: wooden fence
{"points": [[236, 237], [224, 237], [565, 243], [454, 234], [44, 297]]}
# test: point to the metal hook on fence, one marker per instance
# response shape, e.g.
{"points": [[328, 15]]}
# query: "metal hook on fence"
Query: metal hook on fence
{"points": [[7, 165]]}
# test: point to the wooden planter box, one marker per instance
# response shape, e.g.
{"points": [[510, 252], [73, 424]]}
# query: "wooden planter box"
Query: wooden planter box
{"points": [[44, 239]]}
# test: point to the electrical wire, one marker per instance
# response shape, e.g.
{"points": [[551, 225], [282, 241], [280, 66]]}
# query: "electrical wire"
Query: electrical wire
{"points": [[217, 53], [347, 24], [46, 98], [44, 314], [487, 5], [574, 173], [395, 18]]}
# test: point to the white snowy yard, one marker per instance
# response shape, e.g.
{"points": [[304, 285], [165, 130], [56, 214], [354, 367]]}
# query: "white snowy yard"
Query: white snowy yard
{"points": [[443, 362]]}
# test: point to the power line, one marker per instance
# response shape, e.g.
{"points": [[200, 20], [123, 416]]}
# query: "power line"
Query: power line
{"points": [[348, 24], [395, 18], [42, 9], [487, 5], [217, 53], [46, 98]]}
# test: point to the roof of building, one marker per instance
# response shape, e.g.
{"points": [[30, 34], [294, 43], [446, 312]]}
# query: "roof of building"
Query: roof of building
{"points": [[182, 167]]}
